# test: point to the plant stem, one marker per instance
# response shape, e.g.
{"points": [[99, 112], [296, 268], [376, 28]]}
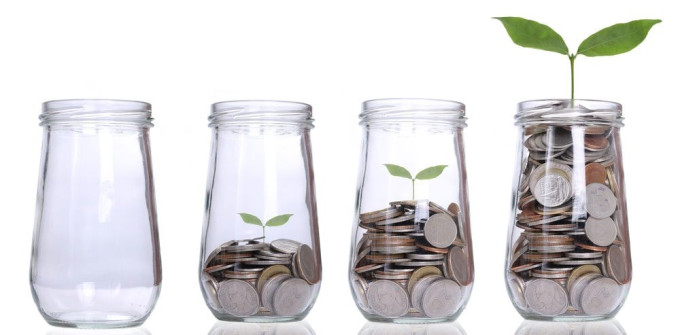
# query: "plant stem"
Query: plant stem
{"points": [[263, 233], [413, 189], [572, 57]]}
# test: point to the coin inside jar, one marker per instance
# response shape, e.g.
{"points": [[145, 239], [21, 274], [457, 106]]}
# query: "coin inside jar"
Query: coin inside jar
{"points": [[551, 184], [238, 298], [387, 298]]}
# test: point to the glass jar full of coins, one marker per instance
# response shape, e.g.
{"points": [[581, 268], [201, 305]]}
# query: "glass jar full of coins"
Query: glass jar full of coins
{"points": [[568, 255], [260, 258], [411, 258]]}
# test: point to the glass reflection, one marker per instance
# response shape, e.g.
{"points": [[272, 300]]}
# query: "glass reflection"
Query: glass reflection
{"points": [[607, 327], [244, 328], [446, 328], [125, 331]]}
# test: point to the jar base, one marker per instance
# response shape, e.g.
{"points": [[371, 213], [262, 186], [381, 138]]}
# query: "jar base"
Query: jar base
{"points": [[259, 319], [568, 318], [92, 320], [411, 320]]}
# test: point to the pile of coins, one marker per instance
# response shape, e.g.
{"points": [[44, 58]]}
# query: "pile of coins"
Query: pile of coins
{"points": [[411, 260], [570, 255], [250, 277]]}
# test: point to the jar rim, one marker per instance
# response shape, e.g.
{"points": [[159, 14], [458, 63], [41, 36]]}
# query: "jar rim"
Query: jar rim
{"points": [[270, 112], [101, 111], [413, 110], [564, 112]]}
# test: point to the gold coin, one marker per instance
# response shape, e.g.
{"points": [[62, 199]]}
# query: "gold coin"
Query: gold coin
{"points": [[580, 271], [420, 273], [270, 272]]}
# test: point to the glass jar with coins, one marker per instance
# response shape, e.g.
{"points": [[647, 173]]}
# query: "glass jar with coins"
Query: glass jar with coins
{"points": [[568, 255], [411, 257], [96, 259], [260, 258]]}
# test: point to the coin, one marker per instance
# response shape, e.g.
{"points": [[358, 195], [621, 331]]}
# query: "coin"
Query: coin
{"points": [[420, 273], [425, 257], [285, 245], [382, 214], [458, 266], [617, 264], [546, 297], [238, 298], [419, 289], [305, 261], [270, 272], [602, 232], [441, 298], [369, 267], [600, 201], [269, 288], [551, 184], [595, 173], [580, 271], [600, 296], [440, 230], [387, 299], [292, 297], [578, 286], [516, 287]]}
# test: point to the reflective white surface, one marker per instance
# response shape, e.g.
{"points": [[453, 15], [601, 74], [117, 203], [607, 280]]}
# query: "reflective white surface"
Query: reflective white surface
{"points": [[445, 328], [607, 327]]}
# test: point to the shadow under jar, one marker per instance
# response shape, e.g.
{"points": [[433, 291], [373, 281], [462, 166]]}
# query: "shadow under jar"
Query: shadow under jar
{"points": [[260, 258], [96, 259], [411, 255], [568, 254]]}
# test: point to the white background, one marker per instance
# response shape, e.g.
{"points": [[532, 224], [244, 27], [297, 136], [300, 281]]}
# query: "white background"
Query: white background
{"points": [[181, 57]]}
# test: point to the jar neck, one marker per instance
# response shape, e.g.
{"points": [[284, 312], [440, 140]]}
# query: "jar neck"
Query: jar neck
{"points": [[100, 112], [261, 114], [562, 112], [415, 112]]}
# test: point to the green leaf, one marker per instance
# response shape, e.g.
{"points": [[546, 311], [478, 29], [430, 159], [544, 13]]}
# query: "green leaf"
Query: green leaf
{"points": [[531, 34], [250, 219], [278, 220], [617, 39], [431, 172], [398, 171]]}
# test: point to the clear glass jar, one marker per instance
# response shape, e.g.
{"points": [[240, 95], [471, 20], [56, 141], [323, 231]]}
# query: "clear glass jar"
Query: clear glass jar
{"points": [[260, 258], [411, 255], [568, 255], [96, 260]]}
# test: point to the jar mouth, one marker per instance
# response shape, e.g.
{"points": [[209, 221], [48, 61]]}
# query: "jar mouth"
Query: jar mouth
{"points": [[563, 112], [413, 110], [264, 112], [96, 111]]}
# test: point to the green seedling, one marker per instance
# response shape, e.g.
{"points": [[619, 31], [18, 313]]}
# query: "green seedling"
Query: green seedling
{"points": [[428, 173], [276, 221], [613, 40]]}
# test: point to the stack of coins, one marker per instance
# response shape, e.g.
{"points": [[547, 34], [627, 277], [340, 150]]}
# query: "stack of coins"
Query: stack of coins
{"points": [[568, 230], [411, 260], [250, 277]]}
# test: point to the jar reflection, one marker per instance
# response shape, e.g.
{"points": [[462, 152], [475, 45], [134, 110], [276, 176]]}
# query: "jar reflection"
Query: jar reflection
{"points": [[287, 328]]}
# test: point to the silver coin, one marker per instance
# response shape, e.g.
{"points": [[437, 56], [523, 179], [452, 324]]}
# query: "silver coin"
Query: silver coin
{"points": [[268, 262], [440, 230], [546, 297], [580, 261], [269, 253], [419, 288], [394, 250], [458, 266], [600, 200], [381, 214], [600, 296], [420, 263], [238, 298], [616, 264], [441, 298], [305, 261], [210, 290], [602, 232], [360, 286], [285, 246], [578, 286], [387, 298], [397, 219], [425, 257], [516, 287], [269, 288], [292, 297], [584, 255], [245, 247], [551, 184]]}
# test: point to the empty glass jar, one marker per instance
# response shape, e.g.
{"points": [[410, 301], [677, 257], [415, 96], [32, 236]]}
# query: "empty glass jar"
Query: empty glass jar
{"points": [[96, 260], [260, 258], [411, 255], [568, 254]]}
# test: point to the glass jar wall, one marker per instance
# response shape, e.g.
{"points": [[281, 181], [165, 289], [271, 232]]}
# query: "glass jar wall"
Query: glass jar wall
{"points": [[568, 255], [411, 252], [260, 258], [96, 259]]}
